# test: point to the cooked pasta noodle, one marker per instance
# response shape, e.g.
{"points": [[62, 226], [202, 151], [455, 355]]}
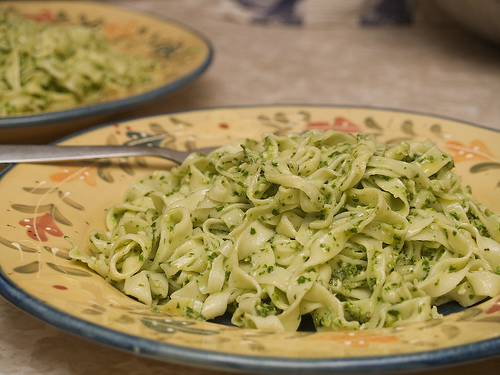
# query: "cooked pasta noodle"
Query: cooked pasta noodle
{"points": [[356, 233], [45, 66]]}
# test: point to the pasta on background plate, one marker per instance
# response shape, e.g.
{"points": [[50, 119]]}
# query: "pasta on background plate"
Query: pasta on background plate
{"points": [[354, 232], [45, 66]]}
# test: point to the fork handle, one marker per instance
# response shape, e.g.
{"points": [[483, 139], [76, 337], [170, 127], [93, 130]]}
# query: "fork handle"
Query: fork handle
{"points": [[46, 153]]}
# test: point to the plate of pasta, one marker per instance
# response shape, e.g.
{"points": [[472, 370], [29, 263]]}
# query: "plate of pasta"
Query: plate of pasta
{"points": [[68, 65], [360, 239]]}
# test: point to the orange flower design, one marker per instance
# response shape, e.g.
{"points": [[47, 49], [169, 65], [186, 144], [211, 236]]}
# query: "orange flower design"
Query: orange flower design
{"points": [[495, 308], [39, 227], [476, 150], [357, 339], [86, 174], [43, 16], [339, 123], [114, 30]]}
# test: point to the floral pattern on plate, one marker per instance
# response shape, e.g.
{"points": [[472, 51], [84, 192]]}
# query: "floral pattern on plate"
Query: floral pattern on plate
{"points": [[44, 204]]}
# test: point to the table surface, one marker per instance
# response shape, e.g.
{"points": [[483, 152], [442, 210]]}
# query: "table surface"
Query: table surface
{"points": [[425, 64]]}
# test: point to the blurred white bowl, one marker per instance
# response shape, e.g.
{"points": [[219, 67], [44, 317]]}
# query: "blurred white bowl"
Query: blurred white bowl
{"points": [[481, 17]]}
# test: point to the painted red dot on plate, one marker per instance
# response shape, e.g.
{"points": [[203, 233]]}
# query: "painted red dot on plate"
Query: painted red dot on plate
{"points": [[224, 126], [61, 287]]}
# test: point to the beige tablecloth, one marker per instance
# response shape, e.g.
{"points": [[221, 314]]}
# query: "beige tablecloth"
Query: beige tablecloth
{"points": [[429, 65]]}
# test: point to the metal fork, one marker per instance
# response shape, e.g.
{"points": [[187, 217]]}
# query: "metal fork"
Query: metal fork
{"points": [[49, 153]]}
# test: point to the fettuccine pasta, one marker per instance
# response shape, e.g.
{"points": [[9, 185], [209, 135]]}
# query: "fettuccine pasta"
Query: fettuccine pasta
{"points": [[49, 67], [356, 233]]}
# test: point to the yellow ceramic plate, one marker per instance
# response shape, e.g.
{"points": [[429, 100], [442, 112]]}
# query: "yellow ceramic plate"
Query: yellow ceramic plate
{"points": [[182, 53], [70, 199]]}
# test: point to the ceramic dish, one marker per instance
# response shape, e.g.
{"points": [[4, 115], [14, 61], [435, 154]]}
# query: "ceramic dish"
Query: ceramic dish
{"points": [[182, 53], [70, 199]]}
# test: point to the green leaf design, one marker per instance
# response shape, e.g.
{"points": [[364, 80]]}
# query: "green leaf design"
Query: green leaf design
{"points": [[51, 208], [17, 246], [437, 130], [481, 167], [69, 270], [60, 253], [173, 326], [94, 310], [70, 202], [451, 331], [370, 123], [281, 117], [407, 128], [103, 171], [32, 267], [469, 314], [37, 190]]}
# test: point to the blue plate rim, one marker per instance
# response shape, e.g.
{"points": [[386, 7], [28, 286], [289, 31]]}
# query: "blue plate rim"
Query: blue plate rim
{"points": [[418, 361], [431, 359]]}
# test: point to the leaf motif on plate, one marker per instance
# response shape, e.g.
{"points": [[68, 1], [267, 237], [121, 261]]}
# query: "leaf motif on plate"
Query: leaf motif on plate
{"points": [[104, 165], [125, 319], [407, 128], [450, 331], [283, 123], [253, 345], [38, 190], [173, 326], [167, 48], [64, 196], [69, 270], [51, 209], [175, 121], [489, 319], [32, 267], [437, 130], [482, 167], [95, 309], [63, 254], [469, 314], [279, 126], [371, 124], [430, 324], [305, 115], [281, 117], [70, 202], [17, 246], [126, 167], [146, 139], [103, 171]]}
